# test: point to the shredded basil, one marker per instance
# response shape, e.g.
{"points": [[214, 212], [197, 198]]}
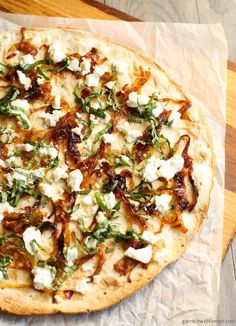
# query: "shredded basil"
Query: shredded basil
{"points": [[120, 161], [100, 201], [108, 186], [75, 208], [114, 210], [85, 102], [112, 103], [34, 245], [83, 192], [90, 129], [4, 262], [4, 101], [53, 162], [163, 140], [8, 135], [4, 197], [19, 188], [31, 66], [7, 109], [89, 251], [97, 112], [42, 73], [63, 65], [101, 133], [170, 123], [86, 105], [142, 192], [68, 271], [3, 73], [6, 237], [142, 113], [104, 231]]}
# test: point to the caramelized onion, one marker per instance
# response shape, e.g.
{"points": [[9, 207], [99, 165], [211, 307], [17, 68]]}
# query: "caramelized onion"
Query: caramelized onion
{"points": [[18, 222], [101, 258], [63, 127], [3, 151], [27, 48], [132, 215], [179, 182], [142, 148], [125, 265], [142, 77]]}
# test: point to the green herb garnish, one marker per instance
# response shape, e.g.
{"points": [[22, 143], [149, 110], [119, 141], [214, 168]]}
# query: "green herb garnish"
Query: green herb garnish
{"points": [[7, 109], [31, 66], [104, 231], [100, 201], [68, 271], [83, 192], [101, 133], [6, 237], [90, 129], [4, 262]]}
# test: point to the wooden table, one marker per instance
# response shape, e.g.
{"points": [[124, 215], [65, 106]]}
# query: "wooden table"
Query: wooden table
{"points": [[193, 11]]}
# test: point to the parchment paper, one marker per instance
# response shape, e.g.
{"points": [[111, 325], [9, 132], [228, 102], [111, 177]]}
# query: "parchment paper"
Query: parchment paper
{"points": [[195, 56]]}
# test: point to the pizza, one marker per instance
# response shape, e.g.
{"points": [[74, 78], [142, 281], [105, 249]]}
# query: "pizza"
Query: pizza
{"points": [[106, 171]]}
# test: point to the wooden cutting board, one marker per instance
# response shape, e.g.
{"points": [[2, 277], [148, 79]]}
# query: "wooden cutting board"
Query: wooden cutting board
{"points": [[94, 9]]}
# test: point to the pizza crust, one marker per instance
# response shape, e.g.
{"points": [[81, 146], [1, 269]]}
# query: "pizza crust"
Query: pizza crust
{"points": [[110, 292]]}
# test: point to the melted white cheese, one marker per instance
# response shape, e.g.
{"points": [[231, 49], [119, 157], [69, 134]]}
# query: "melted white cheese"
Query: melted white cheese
{"points": [[90, 242], [109, 200], [100, 217], [71, 255], [175, 117], [162, 203], [158, 110], [149, 237], [51, 191], [43, 278], [110, 84], [169, 168], [25, 147], [24, 80], [108, 138], [89, 266], [30, 234], [92, 80], [77, 130], [137, 99], [75, 179], [56, 103], [56, 52], [143, 255], [27, 59], [24, 104], [60, 172], [85, 66], [131, 134], [51, 119], [150, 171], [83, 286], [74, 65], [121, 67]]}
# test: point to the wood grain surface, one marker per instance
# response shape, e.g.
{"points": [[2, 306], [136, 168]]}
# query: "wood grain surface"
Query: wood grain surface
{"points": [[191, 11], [185, 11]]}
